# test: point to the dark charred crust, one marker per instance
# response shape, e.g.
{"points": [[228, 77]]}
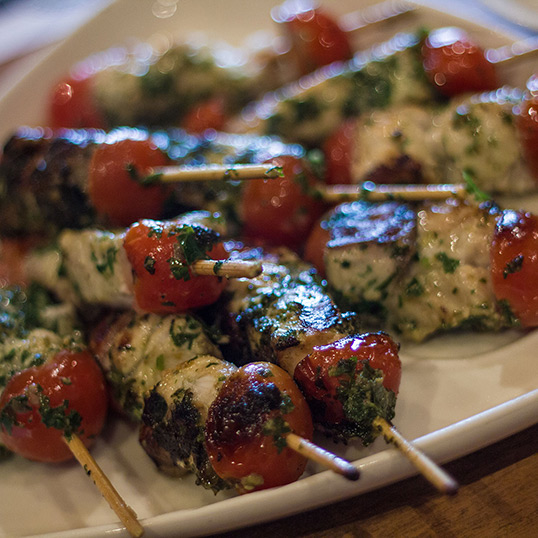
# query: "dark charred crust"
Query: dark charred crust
{"points": [[403, 169], [240, 410], [173, 436]]}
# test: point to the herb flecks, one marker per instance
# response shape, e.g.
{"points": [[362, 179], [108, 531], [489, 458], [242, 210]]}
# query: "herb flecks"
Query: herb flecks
{"points": [[513, 266]]}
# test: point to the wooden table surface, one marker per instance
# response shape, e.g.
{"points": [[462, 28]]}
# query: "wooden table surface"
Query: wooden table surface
{"points": [[498, 497]]}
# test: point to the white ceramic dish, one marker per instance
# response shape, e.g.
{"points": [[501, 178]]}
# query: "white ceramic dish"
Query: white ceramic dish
{"points": [[458, 394]]}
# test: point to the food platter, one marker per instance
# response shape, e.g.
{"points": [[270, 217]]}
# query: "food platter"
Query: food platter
{"points": [[459, 392]]}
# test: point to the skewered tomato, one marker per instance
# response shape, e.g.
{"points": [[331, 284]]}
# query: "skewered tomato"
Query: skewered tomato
{"points": [[338, 150], [316, 40], [42, 404], [455, 64], [210, 114], [527, 122], [114, 181], [514, 264], [247, 425], [281, 211], [161, 254], [351, 381], [72, 105]]}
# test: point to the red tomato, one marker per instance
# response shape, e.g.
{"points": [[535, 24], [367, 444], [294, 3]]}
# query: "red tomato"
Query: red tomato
{"points": [[316, 40], [514, 264], [338, 150], [246, 428], [112, 189], [281, 211], [315, 246], [164, 283], [455, 64], [73, 379], [210, 114], [317, 374], [527, 123], [72, 105]]}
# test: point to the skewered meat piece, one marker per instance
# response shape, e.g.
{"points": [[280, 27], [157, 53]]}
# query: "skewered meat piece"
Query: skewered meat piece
{"points": [[135, 350], [441, 279]]}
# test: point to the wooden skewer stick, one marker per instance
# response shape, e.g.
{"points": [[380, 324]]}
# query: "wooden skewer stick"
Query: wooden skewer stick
{"points": [[437, 476], [516, 51], [123, 511], [211, 172], [328, 459], [227, 268], [377, 193]]}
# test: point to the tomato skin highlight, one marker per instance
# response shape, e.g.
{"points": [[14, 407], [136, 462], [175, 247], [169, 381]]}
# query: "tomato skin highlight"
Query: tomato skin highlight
{"points": [[319, 383], [455, 64], [338, 151], [72, 105], [527, 125], [70, 376], [113, 191], [514, 264], [235, 439], [150, 245], [316, 40], [280, 211]]}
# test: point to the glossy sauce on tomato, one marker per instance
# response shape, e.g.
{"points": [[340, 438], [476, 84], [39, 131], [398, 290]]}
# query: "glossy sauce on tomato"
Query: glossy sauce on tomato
{"points": [[514, 264], [247, 424], [323, 373], [114, 183], [72, 382], [161, 254]]}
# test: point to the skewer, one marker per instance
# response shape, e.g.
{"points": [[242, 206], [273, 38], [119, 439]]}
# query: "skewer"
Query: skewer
{"points": [[315, 453], [227, 268], [123, 511], [371, 192], [377, 13], [514, 52], [211, 172], [437, 476]]}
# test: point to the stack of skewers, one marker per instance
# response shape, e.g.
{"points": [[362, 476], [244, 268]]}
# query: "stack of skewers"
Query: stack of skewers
{"points": [[165, 303]]}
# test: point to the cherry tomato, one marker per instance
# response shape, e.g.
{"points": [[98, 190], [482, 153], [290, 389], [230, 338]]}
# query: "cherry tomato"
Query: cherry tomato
{"points": [[455, 64], [338, 150], [210, 114], [315, 246], [316, 40], [73, 383], [112, 187], [247, 424], [514, 264], [72, 105], [322, 373], [160, 255], [281, 211], [527, 123]]}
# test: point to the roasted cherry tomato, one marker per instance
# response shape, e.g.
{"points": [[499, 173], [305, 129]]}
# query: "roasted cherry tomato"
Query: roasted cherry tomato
{"points": [[314, 251], [161, 254], [42, 404], [324, 373], [338, 150], [247, 424], [455, 64], [113, 184], [527, 123], [281, 211], [72, 105], [514, 264], [210, 114], [316, 40]]}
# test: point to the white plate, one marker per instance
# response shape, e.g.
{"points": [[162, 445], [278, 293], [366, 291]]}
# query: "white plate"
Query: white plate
{"points": [[458, 393]]}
